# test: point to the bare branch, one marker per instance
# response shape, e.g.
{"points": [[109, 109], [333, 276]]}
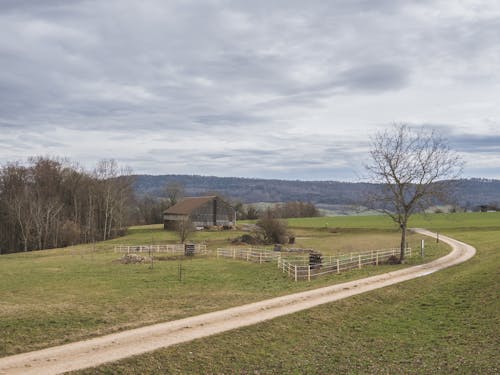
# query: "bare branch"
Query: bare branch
{"points": [[414, 166]]}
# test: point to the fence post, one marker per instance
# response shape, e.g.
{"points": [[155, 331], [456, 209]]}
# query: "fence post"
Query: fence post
{"points": [[234, 253], [359, 261], [338, 265], [422, 248], [295, 273], [376, 260], [260, 257], [309, 272]]}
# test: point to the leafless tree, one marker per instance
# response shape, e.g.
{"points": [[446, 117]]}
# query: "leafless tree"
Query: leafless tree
{"points": [[184, 228], [49, 202], [175, 192], [415, 168]]}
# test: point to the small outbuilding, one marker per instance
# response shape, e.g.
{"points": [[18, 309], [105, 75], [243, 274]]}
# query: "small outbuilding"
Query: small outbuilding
{"points": [[201, 211]]}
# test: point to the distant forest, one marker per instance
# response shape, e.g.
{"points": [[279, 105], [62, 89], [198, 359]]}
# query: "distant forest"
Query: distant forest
{"points": [[468, 193]]}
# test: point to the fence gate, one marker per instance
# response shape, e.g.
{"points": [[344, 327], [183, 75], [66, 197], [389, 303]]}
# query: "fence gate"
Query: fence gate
{"points": [[189, 249]]}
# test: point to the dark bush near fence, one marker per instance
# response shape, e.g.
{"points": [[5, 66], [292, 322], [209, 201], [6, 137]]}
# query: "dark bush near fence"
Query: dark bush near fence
{"points": [[247, 239], [392, 260]]}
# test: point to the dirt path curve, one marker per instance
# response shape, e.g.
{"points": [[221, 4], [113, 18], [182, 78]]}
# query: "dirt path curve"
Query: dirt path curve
{"points": [[116, 346]]}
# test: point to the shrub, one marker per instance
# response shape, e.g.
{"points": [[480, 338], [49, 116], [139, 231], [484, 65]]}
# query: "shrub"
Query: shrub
{"points": [[274, 230]]}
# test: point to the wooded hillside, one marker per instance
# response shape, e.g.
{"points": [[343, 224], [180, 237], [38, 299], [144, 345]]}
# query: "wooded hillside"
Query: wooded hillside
{"points": [[469, 193]]}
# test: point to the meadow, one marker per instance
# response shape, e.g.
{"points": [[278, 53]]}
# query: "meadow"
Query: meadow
{"points": [[56, 296]]}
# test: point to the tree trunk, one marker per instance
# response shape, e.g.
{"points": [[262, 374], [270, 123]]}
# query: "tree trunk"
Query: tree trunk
{"points": [[403, 243]]}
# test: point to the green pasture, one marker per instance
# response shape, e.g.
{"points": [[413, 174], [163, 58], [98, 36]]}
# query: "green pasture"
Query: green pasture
{"points": [[445, 323], [443, 221], [64, 295]]}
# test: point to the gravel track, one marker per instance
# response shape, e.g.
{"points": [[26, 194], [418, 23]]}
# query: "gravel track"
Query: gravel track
{"points": [[99, 350]]}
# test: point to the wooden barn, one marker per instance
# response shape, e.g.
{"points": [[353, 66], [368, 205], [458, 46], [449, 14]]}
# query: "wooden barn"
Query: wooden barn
{"points": [[202, 211]]}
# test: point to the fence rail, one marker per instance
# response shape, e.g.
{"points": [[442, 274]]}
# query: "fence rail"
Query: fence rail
{"points": [[302, 270], [176, 249], [256, 255], [299, 267]]}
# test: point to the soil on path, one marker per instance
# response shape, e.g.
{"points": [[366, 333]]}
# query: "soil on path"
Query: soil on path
{"points": [[93, 352]]}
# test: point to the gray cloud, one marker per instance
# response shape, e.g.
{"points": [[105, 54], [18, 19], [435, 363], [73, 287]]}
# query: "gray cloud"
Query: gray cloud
{"points": [[376, 78], [472, 143], [240, 87]]}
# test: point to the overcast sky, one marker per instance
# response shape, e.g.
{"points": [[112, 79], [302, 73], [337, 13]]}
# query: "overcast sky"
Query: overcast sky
{"points": [[274, 89]]}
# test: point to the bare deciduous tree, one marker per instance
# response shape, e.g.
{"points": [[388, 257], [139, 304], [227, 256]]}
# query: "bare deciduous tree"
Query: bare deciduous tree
{"points": [[175, 192], [415, 167], [40, 202], [184, 228]]}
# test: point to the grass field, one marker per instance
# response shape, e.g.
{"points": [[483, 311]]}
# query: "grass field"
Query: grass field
{"points": [[447, 322], [63, 295], [57, 296]]}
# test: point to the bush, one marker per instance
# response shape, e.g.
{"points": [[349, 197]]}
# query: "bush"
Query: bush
{"points": [[274, 230], [247, 239]]}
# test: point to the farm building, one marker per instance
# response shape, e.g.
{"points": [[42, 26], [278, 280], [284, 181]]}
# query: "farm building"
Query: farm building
{"points": [[202, 211]]}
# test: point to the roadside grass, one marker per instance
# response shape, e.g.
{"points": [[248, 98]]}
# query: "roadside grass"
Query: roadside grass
{"points": [[63, 295], [446, 322]]}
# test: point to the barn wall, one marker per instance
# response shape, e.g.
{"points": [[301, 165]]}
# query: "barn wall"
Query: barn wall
{"points": [[225, 213], [216, 212], [204, 215], [170, 220]]}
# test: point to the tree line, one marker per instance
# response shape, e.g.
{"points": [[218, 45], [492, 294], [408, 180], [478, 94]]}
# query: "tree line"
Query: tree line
{"points": [[50, 203]]}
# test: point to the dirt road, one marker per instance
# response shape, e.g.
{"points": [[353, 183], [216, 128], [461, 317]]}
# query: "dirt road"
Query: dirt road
{"points": [[116, 346]]}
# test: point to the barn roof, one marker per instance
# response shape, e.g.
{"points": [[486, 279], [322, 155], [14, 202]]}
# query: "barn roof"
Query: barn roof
{"points": [[187, 205]]}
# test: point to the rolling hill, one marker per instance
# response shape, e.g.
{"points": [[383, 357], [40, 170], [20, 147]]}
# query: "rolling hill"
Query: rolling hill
{"points": [[469, 193]]}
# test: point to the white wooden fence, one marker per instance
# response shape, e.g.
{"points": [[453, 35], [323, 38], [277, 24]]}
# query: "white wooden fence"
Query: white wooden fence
{"points": [[251, 254], [297, 266], [176, 249], [300, 269]]}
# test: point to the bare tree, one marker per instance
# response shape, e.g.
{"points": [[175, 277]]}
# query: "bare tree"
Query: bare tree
{"points": [[175, 192], [184, 228], [415, 167]]}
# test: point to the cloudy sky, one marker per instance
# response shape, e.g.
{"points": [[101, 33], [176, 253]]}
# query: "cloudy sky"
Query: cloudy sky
{"points": [[275, 89]]}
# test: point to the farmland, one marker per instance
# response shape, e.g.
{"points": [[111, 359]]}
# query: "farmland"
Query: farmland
{"points": [[445, 323], [63, 295]]}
